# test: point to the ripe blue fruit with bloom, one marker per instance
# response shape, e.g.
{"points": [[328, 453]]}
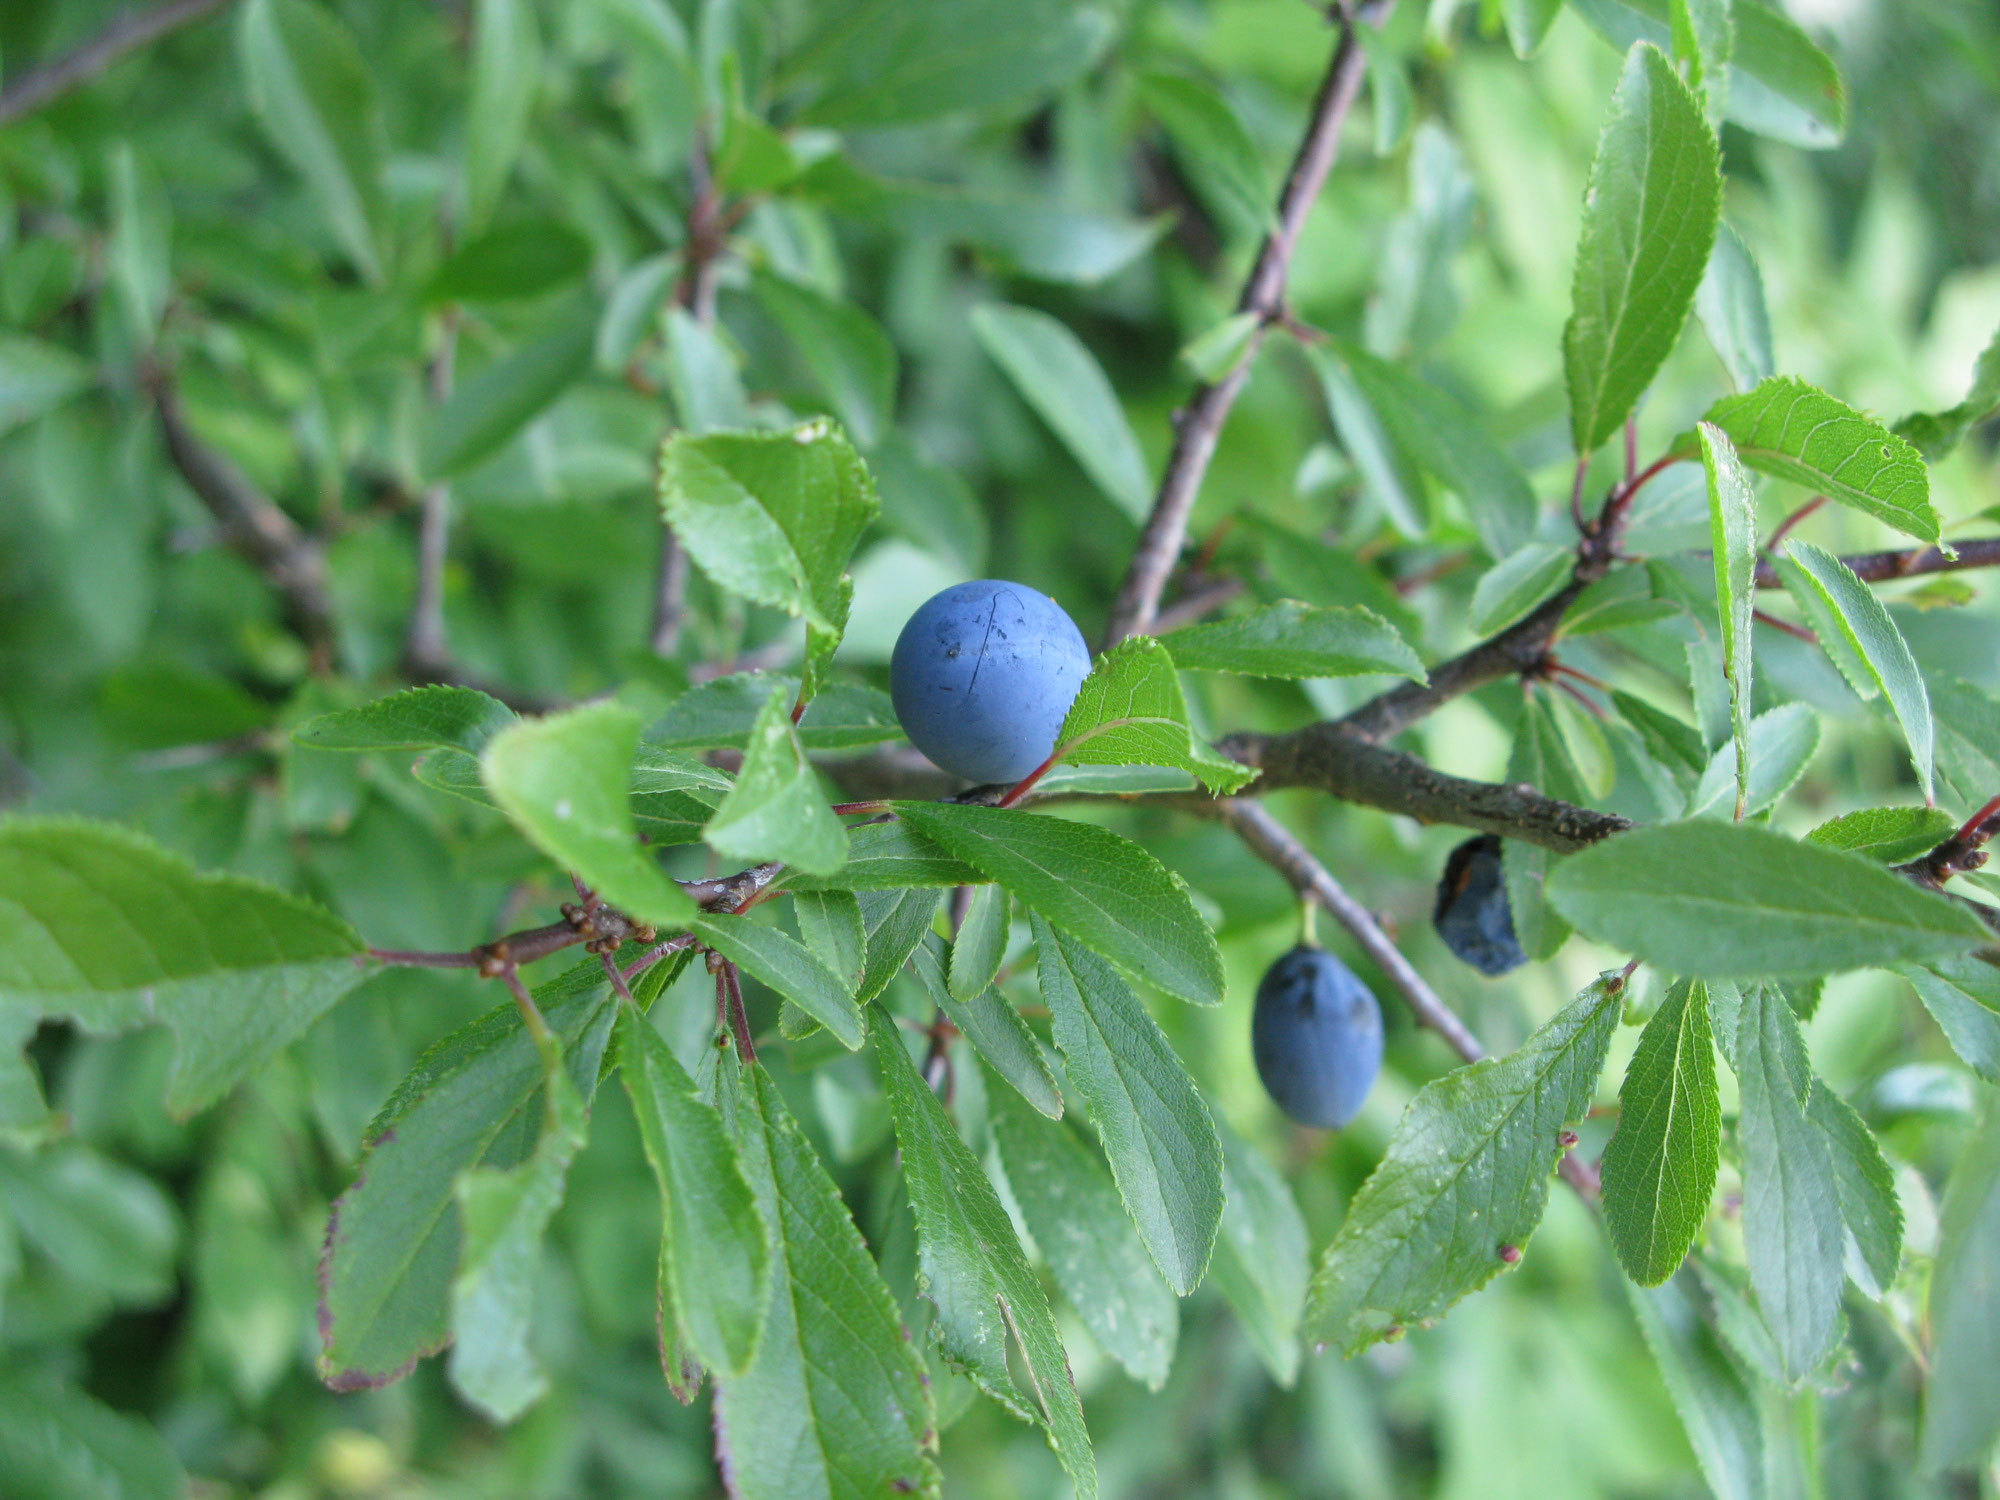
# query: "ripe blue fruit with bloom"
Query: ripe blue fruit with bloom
{"points": [[1317, 1037], [982, 676], [1472, 915]]}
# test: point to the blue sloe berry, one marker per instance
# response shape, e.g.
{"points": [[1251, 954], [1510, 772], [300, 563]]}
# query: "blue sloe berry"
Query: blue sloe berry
{"points": [[982, 676], [1472, 914], [1317, 1037]]}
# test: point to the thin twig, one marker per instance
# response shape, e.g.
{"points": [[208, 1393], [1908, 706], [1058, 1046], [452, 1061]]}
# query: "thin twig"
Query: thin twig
{"points": [[1886, 567], [1797, 632], [252, 523], [669, 594], [1330, 759], [126, 34], [427, 649], [1785, 526], [1198, 604], [1271, 842], [707, 237], [1199, 423]]}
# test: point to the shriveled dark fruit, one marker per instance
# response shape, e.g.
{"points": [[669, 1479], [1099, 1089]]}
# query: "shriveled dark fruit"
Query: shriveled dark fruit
{"points": [[1317, 1037], [1472, 914]]}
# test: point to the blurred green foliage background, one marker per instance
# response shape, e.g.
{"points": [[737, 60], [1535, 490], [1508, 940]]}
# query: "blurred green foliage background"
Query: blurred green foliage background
{"points": [[156, 221]]}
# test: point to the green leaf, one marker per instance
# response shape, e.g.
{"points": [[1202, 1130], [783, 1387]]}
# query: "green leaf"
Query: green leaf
{"points": [[849, 355], [1873, 655], [1517, 583], [830, 923], [1732, 530], [36, 378], [981, 941], [1865, 1189], [1057, 376], [1213, 353], [1780, 85], [1129, 711], [1707, 1388], [1962, 1386], [702, 377], [836, 1404], [312, 94], [774, 517], [57, 1443], [1541, 760], [672, 796], [237, 969], [1963, 997], [1673, 741], [1442, 437], [1721, 901], [1106, 890], [1033, 234], [1968, 737], [896, 922], [899, 65], [505, 395], [108, 1226], [974, 1270], [1731, 307], [1659, 1168], [140, 247], [1260, 1263], [1620, 600], [505, 1211], [506, 70], [776, 810], [1210, 140], [521, 259], [419, 718], [721, 714], [1702, 41], [1793, 431], [1783, 741], [790, 968], [1887, 835], [889, 857], [1156, 1130], [1649, 220], [565, 781], [1290, 639], [1071, 1208], [1388, 470], [1465, 1176], [1935, 434], [930, 505], [1791, 1209], [1528, 23], [392, 1243], [714, 1245], [632, 311], [995, 1029], [1416, 300]]}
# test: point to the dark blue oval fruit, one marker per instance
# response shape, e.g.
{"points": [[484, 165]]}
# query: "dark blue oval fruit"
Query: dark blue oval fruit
{"points": [[1472, 914], [1317, 1037], [982, 676]]}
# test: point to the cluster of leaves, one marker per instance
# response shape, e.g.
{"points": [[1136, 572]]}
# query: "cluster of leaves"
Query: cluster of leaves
{"points": [[1036, 1166]]}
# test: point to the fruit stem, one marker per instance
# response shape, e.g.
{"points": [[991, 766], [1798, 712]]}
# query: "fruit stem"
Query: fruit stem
{"points": [[1027, 783]]}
